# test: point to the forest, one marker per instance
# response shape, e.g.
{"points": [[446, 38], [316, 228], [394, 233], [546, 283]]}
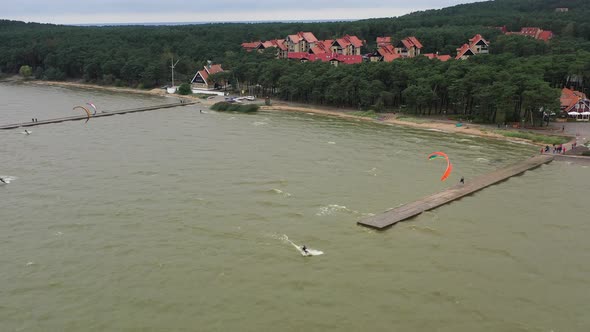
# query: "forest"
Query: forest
{"points": [[517, 78]]}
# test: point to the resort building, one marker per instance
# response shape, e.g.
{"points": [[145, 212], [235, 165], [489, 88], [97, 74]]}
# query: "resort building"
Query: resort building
{"points": [[304, 46], [347, 45], [408, 47], [477, 45], [300, 42], [259, 46], [334, 59], [575, 104], [202, 79], [383, 41], [533, 32], [441, 57]]}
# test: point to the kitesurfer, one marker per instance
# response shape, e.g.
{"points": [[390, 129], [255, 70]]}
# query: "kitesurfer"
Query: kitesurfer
{"points": [[462, 181], [27, 132], [304, 248], [2, 180]]}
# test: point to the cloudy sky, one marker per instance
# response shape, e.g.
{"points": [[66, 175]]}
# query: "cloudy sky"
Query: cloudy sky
{"points": [[145, 11]]}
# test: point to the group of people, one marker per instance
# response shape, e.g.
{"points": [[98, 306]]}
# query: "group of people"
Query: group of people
{"points": [[556, 148], [34, 120]]}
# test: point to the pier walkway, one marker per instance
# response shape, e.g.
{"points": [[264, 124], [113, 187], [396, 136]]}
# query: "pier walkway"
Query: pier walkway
{"points": [[98, 115], [393, 216]]}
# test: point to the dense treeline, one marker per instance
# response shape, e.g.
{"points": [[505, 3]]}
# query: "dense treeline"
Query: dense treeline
{"points": [[521, 74]]}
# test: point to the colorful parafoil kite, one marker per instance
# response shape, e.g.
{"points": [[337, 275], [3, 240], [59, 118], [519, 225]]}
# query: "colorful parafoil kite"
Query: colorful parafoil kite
{"points": [[93, 107], [447, 172], [85, 110]]}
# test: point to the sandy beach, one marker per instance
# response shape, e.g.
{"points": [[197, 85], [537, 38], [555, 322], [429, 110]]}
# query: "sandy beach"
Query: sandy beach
{"points": [[386, 118]]}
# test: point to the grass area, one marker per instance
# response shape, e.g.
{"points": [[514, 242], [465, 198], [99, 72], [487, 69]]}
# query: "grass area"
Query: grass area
{"points": [[235, 107], [408, 118], [537, 138], [367, 114], [201, 95]]}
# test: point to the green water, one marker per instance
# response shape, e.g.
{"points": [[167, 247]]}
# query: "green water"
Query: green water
{"points": [[175, 220]]}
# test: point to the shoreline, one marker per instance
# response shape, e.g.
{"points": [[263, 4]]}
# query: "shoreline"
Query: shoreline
{"points": [[388, 118]]}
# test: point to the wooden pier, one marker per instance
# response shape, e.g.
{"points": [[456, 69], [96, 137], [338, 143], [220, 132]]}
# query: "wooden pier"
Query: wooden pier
{"points": [[393, 216], [98, 115]]}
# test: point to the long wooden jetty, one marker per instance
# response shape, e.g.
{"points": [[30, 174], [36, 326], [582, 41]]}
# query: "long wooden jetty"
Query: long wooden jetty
{"points": [[393, 216], [98, 115]]}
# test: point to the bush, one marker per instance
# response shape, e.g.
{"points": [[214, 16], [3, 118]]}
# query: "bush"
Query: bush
{"points": [[232, 107], [586, 153], [26, 71], [54, 74], [185, 89]]}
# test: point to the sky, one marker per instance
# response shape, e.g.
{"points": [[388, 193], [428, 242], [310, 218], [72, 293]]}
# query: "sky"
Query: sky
{"points": [[152, 11]]}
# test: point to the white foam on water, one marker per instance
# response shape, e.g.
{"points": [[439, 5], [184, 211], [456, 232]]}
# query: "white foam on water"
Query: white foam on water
{"points": [[482, 160], [465, 140], [280, 192], [259, 123], [309, 252], [30, 263], [520, 142], [333, 208], [7, 178], [331, 142], [437, 130]]}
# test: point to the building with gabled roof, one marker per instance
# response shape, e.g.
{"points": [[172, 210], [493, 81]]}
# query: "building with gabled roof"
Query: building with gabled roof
{"points": [[464, 52], [202, 80], [572, 100], [347, 45], [251, 46], [408, 47], [334, 58], [533, 32], [383, 41], [479, 44], [441, 57], [300, 42]]}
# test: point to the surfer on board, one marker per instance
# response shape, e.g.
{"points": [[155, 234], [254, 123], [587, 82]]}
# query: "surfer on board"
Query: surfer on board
{"points": [[2, 180], [304, 248]]}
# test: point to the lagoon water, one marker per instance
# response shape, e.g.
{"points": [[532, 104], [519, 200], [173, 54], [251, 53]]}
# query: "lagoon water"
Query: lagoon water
{"points": [[177, 220]]}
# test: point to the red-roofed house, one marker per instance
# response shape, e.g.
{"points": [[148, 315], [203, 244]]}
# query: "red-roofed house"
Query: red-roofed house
{"points": [[273, 43], [533, 32], [572, 100], [252, 46], [464, 52], [441, 57], [408, 47], [334, 58], [347, 45], [300, 42], [383, 41], [479, 45], [388, 53], [201, 79]]}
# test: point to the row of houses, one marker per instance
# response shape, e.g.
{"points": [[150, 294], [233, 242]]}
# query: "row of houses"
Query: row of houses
{"points": [[533, 32], [304, 46]]}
